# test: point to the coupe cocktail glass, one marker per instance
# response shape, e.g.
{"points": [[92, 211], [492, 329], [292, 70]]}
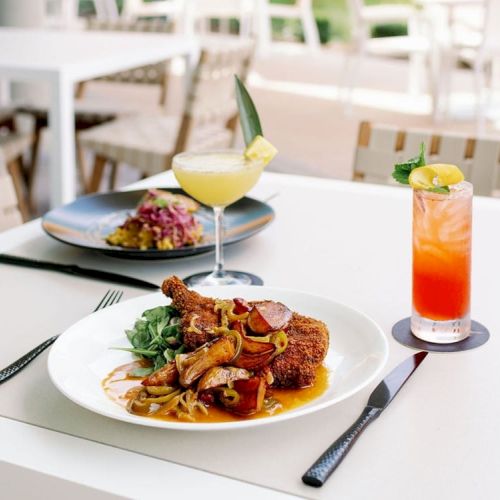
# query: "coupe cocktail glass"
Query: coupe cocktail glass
{"points": [[442, 226], [217, 179]]}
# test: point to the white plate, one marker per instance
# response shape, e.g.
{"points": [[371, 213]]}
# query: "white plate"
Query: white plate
{"points": [[80, 359]]}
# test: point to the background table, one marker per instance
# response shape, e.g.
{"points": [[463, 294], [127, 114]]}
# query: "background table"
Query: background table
{"points": [[64, 58], [351, 242]]}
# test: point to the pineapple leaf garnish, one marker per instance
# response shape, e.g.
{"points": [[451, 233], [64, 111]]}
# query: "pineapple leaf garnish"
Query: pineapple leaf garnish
{"points": [[249, 118]]}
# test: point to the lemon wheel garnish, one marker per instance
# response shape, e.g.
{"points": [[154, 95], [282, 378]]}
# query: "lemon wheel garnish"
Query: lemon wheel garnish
{"points": [[260, 149], [433, 176]]}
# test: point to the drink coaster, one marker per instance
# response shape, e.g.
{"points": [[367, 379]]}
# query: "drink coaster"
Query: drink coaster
{"points": [[401, 332], [254, 280]]}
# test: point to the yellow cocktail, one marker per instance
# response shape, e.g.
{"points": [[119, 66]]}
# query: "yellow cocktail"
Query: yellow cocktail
{"points": [[216, 178]]}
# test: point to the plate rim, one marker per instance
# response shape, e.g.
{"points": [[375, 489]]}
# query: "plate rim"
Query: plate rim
{"points": [[235, 425], [152, 253]]}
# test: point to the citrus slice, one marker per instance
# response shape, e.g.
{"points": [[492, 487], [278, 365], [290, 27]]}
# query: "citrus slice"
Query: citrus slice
{"points": [[438, 175], [261, 150]]}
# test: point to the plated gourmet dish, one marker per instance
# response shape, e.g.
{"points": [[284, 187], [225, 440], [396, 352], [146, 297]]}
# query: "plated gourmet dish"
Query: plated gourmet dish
{"points": [[162, 220], [202, 359]]}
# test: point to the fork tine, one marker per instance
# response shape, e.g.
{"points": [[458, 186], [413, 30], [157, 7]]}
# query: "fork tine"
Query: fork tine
{"points": [[100, 305], [111, 297], [118, 297]]}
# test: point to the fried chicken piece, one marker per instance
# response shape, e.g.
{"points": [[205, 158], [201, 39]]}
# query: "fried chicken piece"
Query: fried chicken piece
{"points": [[195, 310], [308, 338], [308, 342]]}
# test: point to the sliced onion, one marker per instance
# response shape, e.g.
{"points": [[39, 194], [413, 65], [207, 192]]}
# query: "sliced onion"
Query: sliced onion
{"points": [[159, 390], [238, 341]]}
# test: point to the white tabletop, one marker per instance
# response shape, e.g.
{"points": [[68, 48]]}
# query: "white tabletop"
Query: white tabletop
{"points": [[351, 242], [84, 54]]}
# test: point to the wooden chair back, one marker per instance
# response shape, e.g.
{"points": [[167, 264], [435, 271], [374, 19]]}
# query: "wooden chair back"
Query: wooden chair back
{"points": [[379, 147], [10, 215], [210, 104]]}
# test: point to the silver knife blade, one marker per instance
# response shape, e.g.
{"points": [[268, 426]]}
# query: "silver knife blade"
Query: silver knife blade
{"points": [[384, 393]]}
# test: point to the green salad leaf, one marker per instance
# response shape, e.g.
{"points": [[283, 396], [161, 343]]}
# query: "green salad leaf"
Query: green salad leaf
{"points": [[402, 171], [156, 336], [249, 118]]}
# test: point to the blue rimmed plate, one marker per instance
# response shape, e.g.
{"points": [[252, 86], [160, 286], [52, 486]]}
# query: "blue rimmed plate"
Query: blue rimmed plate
{"points": [[87, 221]]}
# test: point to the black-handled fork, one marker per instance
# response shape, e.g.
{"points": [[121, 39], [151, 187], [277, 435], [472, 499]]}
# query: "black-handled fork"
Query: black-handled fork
{"points": [[111, 297]]}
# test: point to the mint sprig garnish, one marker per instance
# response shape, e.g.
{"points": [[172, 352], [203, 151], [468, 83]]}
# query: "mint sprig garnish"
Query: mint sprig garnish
{"points": [[439, 189], [249, 118], [402, 170]]}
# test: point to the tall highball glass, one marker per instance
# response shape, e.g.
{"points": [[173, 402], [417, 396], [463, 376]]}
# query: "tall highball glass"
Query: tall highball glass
{"points": [[442, 227]]}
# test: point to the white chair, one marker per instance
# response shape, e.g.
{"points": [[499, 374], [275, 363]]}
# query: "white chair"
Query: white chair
{"points": [[471, 37], [152, 74], [62, 14], [415, 45], [379, 147], [173, 10], [301, 10], [106, 10], [488, 50], [14, 206], [199, 13]]}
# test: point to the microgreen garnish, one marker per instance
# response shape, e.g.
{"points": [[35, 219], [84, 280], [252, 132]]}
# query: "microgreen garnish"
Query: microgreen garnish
{"points": [[402, 170], [160, 202], [156, 336], [439, 189]]}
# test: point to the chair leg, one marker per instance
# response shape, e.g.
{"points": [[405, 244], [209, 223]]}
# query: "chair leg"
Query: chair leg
{"points": [[98, 170], [113, 175], [417, 68], [163, 90], [16, 172], [80, 90], [351, 73], [81, 165], [480, 84], [35, 151], [263, 28], [309, 26]]}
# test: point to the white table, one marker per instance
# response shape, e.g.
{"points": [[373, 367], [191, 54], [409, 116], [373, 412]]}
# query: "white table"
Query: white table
{"points": [[351, 242], [63, 58]]}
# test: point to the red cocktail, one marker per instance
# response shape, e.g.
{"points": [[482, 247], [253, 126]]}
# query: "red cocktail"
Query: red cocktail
{"points": [[442, 264]]}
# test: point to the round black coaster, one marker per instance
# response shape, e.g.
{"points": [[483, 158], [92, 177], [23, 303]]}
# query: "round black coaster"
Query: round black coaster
{"points": [[254, 280], [401, 332]]}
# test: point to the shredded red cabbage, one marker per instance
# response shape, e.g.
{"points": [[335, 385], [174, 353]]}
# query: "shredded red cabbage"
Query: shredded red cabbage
{"points": [[166, 219]]}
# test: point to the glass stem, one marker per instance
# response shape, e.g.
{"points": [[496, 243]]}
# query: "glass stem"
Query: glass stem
{"points": [[219, 236]]}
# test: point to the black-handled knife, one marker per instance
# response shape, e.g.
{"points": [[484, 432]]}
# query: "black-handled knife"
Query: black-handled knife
{"points": [[379, 400], [77, 271]]}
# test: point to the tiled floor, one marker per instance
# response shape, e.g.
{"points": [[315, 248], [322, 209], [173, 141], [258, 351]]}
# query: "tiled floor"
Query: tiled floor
{"points": [[298, 98]]}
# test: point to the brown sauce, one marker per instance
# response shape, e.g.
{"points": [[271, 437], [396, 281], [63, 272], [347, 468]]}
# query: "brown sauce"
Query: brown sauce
{"points": [[119, 382]]}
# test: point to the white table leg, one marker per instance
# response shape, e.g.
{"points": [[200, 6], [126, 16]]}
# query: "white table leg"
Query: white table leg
{"points": [[62, 129]]}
